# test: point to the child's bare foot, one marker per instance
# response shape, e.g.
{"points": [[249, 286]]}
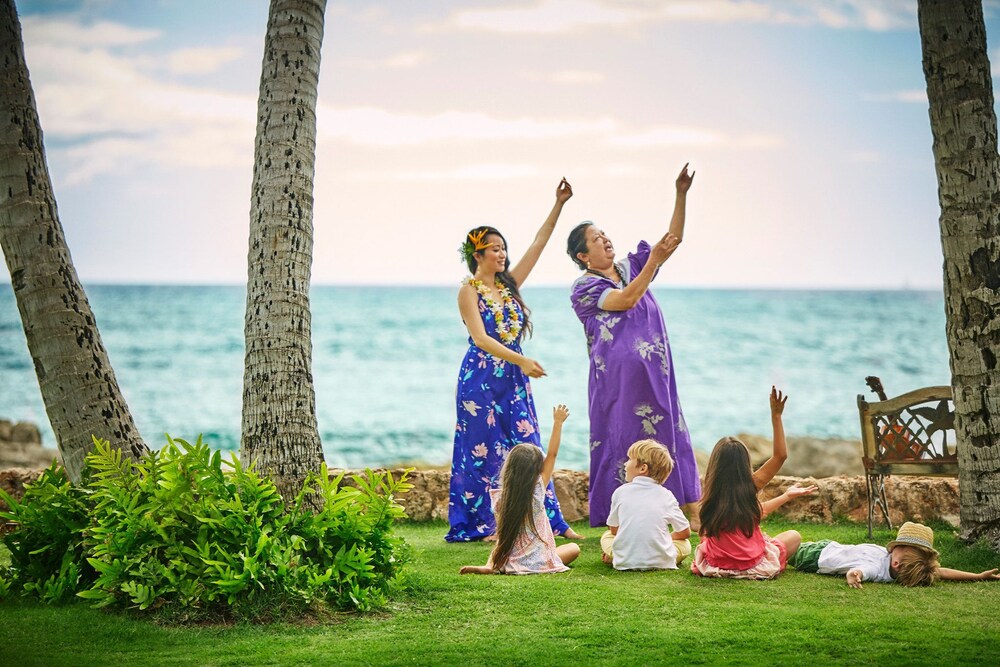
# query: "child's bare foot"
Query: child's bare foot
{"points": [[475, 569], [606, 559], [571, 534]]}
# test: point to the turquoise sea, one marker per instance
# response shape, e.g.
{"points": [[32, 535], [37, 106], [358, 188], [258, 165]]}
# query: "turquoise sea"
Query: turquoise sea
{"points": [[386, 359]]}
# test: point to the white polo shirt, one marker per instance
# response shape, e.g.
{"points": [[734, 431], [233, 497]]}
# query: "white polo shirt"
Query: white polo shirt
{"points": [[645, 513], [871, 559]]}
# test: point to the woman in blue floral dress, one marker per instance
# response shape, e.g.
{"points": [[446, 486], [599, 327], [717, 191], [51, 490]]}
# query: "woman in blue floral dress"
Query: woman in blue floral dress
{"points": [[493, 402]]}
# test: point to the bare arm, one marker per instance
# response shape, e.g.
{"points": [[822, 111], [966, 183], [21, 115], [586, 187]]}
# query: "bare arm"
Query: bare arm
{"points": [[947, 574], [521, 270], [683, 184], [559, 415], [779, 452], [626, 298], [681, 534], [794, 491], [468, 306]]}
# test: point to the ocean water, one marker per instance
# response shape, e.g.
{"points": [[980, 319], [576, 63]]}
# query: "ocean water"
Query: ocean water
{"points": [[385, 362]]}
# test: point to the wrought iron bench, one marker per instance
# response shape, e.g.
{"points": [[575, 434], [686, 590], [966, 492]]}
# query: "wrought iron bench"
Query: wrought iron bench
{"points": [[905, 435]]}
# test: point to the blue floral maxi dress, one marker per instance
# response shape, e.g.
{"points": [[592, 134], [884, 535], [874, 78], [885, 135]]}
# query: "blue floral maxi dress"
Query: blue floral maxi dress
{"points": [[495, 412], [633, 392]]}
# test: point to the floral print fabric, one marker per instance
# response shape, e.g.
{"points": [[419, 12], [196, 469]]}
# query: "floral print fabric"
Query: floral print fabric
{"points": [[495, 412], [633, 392]]}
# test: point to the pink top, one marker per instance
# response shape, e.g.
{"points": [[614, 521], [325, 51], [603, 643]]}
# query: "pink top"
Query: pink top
{"points": [[733, 550]]}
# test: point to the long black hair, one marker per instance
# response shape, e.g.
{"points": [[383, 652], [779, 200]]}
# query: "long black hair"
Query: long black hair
{"points": [[507, 280], [577, 243], [729, 501], [514, 514]]}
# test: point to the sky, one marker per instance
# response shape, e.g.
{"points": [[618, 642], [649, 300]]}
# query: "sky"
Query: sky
{"points": [[805, 120]]}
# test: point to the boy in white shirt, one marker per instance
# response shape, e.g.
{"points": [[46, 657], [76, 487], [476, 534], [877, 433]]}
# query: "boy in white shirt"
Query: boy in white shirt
{"points": [[647, 529], [909, 560]]}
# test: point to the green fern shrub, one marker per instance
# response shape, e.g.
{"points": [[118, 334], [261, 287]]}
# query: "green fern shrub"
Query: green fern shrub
{"points": [[192, 536]]}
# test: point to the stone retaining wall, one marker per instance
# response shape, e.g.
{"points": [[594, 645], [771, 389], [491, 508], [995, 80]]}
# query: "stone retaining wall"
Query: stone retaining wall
{"points": [[910, 498]]}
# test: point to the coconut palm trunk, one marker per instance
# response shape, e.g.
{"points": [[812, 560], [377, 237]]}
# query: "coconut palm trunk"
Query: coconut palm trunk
{"points": [[77, 383], [960, 92], [279, 404]]}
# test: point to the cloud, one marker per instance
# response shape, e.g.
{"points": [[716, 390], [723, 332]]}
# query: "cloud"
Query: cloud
{"points": [[201, 60], [472, 172], [380, 127], [407, 60], [915, 96], [677, 135], [568, 77], [565, 16], [67, 32]]}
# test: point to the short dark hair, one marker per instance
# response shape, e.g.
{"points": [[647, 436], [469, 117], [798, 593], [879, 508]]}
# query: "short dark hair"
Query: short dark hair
{"points": [[577, 243]]}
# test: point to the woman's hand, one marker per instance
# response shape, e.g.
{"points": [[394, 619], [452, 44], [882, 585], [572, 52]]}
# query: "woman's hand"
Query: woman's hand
{"points": [[532, 368], [664, 248], [854, 578], [777, 402], [564, 191], [989, 575], [684, 180], [560, 413]]}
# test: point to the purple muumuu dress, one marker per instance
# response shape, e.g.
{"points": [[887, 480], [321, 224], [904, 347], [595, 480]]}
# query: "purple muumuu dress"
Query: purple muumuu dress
{"points": [[633, 393]]}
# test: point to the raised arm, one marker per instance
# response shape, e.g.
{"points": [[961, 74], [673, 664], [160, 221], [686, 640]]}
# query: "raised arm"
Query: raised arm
{"points": [[468, 306], [779, 452], [559, 415], [794, 491], [627, 297], [682, 185], [521, 270]]}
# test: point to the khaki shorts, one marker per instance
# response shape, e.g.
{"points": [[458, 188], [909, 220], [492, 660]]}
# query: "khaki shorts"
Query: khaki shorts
{"points": [[683, 547]]}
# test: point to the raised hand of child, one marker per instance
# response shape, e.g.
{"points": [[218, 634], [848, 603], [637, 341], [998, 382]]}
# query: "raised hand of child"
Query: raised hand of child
{"points": [[560, 413], [777, 402], [796, 490]]}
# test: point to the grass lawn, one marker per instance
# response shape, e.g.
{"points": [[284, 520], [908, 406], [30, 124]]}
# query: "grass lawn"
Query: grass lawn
{"points": [[591, 615]]}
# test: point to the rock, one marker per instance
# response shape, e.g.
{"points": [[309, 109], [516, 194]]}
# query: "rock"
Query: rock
{"points": [[572, 489], [428, 499], [809, 457], [26, 432], [21, 447], [909, 498], [841, 497], [12, 482]]}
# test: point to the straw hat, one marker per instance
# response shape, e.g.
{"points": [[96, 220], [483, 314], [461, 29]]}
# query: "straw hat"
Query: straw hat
{"points": [[914, 535]]}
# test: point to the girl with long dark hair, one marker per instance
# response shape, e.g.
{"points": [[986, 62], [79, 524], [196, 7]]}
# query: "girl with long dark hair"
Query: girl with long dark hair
{"points": [[525, 544]]}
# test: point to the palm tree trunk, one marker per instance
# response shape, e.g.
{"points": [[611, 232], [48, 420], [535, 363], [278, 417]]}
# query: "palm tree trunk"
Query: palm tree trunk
{"points": [[279, 404], [77, 383], [960, 92]]}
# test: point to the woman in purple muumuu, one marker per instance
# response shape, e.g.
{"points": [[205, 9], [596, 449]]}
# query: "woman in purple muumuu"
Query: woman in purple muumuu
{"points": [[633, 392]]}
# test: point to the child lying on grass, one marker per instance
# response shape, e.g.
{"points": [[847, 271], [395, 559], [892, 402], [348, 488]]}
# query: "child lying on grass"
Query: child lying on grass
{"points": [[909, 560]]}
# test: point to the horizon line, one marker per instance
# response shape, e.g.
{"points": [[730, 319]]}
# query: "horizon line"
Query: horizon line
{"points": [[547, 285]]}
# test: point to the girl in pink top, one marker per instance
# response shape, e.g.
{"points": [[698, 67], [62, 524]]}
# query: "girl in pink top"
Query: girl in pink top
{"points": [[525, 544], [732, 543]]}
